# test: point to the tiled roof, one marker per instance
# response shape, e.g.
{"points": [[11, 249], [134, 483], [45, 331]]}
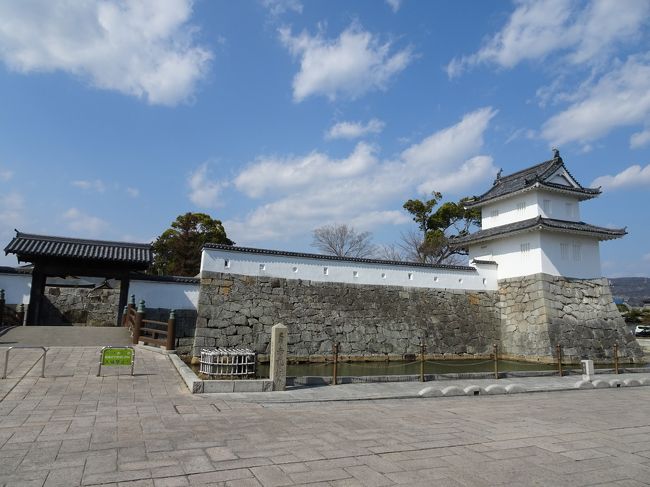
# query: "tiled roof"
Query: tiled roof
{"points": [[248, 250], [140, 276], [527, 178], [30, 247], [542, 224]]}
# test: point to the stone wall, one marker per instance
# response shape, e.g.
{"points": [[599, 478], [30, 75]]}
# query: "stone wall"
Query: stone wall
{"points": [[367, 320], [80, 305], [540, 311]]}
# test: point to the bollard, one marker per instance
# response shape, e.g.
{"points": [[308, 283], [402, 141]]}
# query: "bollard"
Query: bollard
{"points": [[616, 358], [139, 316], [421, 360], [21, 314], [558, 350], [335, 350], [496, 362], [171, 331]]}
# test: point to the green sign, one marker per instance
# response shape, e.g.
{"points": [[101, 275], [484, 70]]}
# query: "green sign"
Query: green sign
{"points": [[117, 356]]}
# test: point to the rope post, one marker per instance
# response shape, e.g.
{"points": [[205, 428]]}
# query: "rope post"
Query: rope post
{"points": [[558, 351], [171, 331], [496, 361], [422, 350], [335, 351], [139, 316], [2, 306], [616, 358]]}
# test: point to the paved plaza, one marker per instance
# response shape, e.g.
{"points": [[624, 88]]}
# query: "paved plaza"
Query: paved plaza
{"points": [[73, 428]]}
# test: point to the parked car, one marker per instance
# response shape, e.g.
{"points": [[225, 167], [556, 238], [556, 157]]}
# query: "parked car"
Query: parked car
{"points": [[642, 331]]}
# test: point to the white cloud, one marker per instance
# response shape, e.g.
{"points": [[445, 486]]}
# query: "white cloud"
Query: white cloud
{"points": [[279, 174], [95, 185], [619, 98], [394, 4], [315, 189], [83, 224], [12, 207], [640, 139], [632, 176], [133, 192], [279, 7], [204, 192], [349, 66], [585, 33], [6, 174], [143, 48], [646, 257], [354, 130]]}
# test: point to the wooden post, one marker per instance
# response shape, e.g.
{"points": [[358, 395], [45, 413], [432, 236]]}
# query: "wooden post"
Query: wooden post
{"points": [[2, 306], [558, 350], [124, 294], [335, 350], [421, 360], [616, 358], [36, 296], [171, 331], [138, 322], [496, 361]]}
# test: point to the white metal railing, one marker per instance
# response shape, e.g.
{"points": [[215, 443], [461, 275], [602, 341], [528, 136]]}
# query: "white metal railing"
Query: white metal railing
{"points": [[228, 362]]}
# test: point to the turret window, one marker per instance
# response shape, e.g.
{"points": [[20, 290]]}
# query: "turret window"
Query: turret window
{"points": [[525, 250]]}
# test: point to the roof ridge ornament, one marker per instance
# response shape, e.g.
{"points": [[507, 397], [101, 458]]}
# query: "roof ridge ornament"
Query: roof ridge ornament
{"points": [[496, 180], [556, 153]]}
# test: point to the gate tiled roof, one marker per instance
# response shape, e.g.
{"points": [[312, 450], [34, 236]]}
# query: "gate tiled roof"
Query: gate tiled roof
{"points": [[29, 247]]}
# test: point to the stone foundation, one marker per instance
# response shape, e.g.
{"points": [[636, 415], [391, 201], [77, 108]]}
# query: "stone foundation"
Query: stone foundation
{"points": [[368, 321], [540, 311], [526, 318]]}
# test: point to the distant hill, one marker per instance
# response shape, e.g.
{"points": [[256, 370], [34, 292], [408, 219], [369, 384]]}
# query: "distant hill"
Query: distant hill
{"points": [[634, 290]]}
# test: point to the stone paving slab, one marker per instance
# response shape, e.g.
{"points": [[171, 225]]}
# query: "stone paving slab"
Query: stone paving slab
{"points": [[74, 428]]}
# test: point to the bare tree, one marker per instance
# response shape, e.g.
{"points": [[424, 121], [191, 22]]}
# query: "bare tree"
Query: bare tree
{"points": [[343, 240], [391, 252], [414, 248]]}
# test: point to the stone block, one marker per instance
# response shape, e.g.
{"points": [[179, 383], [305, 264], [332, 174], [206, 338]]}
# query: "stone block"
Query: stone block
{"points": [[515, 389], [495, 389], [452, 391], [600, 384], [473, 390], [429, 392], [583, 384], [631, 382]]}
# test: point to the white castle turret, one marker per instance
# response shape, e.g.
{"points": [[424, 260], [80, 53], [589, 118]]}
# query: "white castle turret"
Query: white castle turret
{"points": [[551, 292], [531, 224]]}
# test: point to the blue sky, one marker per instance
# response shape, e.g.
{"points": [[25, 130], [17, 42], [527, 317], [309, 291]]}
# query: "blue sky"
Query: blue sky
{"points": [[280, 116]]}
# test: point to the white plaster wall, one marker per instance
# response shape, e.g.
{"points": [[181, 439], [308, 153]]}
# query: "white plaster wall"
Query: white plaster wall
{"points": [[508, 212], [534, 200], [17, 287], [313, 269], [558, 206], [506, 252], [587, 267], [175, 295]]}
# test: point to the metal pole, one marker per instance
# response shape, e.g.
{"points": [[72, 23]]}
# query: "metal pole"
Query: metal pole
{"points": [[496, 362], [558, 350], [421, 360], [616, 358], [335, 349], [171, 331]]}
